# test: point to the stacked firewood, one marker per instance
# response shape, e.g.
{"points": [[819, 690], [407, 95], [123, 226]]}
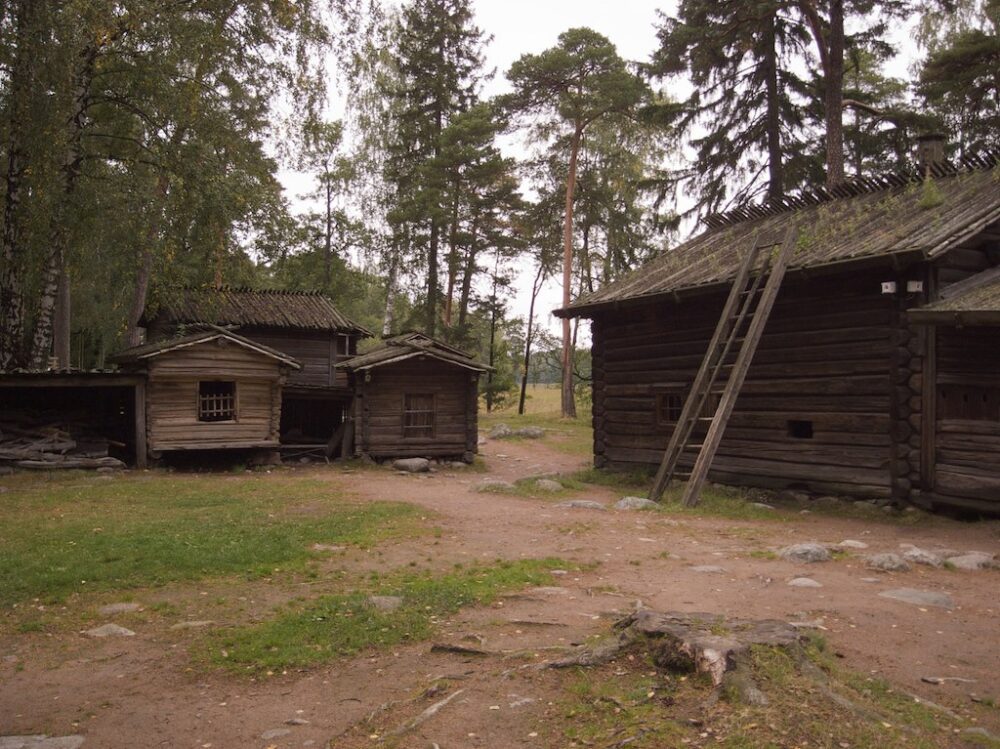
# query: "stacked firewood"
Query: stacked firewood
{"points": [[43, 441]]}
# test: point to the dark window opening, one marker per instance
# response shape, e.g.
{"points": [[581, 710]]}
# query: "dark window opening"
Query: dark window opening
{"points": [[800, 430], [216, 400], [669, 407], [418, 415]]}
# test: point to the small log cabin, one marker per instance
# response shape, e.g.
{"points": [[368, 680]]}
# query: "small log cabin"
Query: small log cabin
{"points": [[306, 326], [415, 396], [209, 390], [878, 374]]}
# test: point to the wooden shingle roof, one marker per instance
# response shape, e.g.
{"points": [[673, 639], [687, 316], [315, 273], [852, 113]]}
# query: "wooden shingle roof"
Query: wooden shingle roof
{"points": [[889, 217], [264, 308], [209, 333], [974, 301], [409, 346]]}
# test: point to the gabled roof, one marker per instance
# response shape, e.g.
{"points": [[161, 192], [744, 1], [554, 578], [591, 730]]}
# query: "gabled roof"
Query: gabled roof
{"points": [[210, 333], [891, 217], [265, 308], [409, 346], [974, 301]]}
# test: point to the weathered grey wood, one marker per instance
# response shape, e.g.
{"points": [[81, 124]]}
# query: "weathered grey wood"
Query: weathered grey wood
{"points": [[739, 371]]}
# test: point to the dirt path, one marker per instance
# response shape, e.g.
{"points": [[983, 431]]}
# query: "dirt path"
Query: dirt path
{"points": [[141, 691]]}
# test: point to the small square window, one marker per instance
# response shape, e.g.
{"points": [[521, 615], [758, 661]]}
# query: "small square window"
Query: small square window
{"points": [[216, 400], [418, 415], [669, 407]]}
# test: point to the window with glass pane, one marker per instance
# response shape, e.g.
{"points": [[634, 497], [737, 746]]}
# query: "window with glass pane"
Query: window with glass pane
{"points": [[418, 415], [216, 400]]}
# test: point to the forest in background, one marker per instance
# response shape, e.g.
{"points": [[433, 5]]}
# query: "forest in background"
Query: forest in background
{"points": [[141, 142]]}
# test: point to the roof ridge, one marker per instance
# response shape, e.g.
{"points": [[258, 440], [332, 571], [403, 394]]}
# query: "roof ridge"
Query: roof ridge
{"points": [[987, 159]]}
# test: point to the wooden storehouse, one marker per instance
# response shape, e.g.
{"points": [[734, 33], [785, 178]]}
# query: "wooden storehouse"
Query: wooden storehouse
{"points": [[306, 326], [209, 390], [878, 373], [415, 396]]}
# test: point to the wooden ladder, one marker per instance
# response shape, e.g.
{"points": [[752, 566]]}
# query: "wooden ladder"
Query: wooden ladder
{"points": [[744, 316]]}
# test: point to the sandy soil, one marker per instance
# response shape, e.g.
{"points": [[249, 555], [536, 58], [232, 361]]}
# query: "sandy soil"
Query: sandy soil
{"points": [[142, 691]]}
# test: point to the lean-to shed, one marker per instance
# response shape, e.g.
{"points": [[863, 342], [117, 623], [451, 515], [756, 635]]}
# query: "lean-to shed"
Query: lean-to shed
{"points": [[878, 373], [209, 390], [415, 396]]}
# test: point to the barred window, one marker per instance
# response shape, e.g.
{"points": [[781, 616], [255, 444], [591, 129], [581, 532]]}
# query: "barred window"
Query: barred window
{"points": [[216, 400], [418, 415]]}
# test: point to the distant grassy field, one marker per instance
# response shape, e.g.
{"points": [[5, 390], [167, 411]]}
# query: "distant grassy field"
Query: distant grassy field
{"points": [[76, 533], [542, 408]]}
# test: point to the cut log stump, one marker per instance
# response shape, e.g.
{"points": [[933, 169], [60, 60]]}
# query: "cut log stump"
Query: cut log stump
{"points": [[696, 643]]}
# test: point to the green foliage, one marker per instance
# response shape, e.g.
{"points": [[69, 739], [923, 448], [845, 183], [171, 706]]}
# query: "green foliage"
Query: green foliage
{"points": [[329, 627], [75, 534]]}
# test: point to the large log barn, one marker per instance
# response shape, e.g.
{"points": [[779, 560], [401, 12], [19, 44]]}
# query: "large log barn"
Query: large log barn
{"points": [[878, 372]]}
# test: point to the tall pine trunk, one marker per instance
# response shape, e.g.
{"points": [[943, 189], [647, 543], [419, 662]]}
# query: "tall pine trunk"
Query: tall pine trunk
{"points": [[467, 276], [20, 85], [536, 286], [449, 299], [835, 96], [568, 401], [775, 159]]}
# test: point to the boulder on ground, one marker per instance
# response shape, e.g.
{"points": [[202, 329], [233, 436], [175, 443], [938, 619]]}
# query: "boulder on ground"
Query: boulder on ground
{"points": [[531, 433], [921, 556], [636, 503], [804, 582], [500, 431], [582, 504], [548, 485], [412, 465], [806, 553], [919, 597], [385, 604], [888, 562], [109, 630], [495, 485], [972, 560], [850, 543]]}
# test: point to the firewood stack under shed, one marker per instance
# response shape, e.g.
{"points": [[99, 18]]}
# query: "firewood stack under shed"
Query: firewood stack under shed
{"points": [[46, 440]]}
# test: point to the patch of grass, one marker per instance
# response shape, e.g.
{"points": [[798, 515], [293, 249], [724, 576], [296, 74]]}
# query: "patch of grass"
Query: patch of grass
{"points": [[762, 554], [60, 536], [542, 409], [317, 631], [632, 481]]}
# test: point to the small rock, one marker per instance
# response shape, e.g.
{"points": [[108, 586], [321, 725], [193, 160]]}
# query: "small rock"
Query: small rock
{"points": [[792, 496], [707, 568], [635, 503], [41, 741], [105, 469], [806, 553], [582, 504], [10, 659], [559, 573], [275, 733], [548, 485], [412, 465], [762, 506], [118, 608], [327, 547], [192, 624], [385, 604], [919, 597], [850, 543], [804, 582], [531, 433], [920, 556], [495, 485], [500, 431], [888, 562], [973, 560], [109, 630], [296, 722], [518, 701], [828, 501], [932, 679], [869, 579]]}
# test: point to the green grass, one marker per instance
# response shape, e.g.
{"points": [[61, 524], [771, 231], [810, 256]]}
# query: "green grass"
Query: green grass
{"points": [[542, 409], [332, 626], [69, 534]]}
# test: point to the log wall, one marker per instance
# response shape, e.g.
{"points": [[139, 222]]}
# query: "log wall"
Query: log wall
{"points": [[967, 439], [823, 366], [379, 405], [317, 352], [172, 398]]}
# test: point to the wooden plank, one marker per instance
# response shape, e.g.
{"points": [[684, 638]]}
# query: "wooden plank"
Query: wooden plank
{"points": [[139, 406]]}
